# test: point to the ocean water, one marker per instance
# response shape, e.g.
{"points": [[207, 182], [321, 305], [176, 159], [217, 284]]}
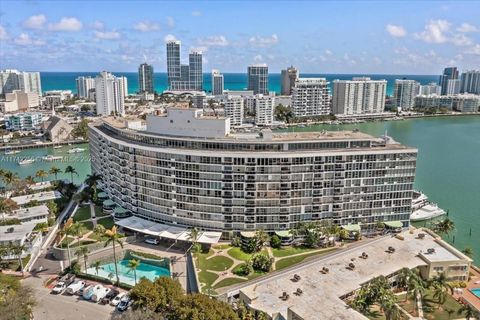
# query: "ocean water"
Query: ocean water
{"points": [[233, 81]]}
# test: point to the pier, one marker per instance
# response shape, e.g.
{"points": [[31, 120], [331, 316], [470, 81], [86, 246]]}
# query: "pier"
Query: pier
{"points": [[19, 146]]}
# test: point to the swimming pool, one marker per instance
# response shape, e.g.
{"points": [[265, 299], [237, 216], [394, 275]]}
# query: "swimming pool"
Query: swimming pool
{"points": [[476, 292], [126, 275]]}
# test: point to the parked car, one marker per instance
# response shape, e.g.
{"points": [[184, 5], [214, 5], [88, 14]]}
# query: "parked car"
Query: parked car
{"points": [[81, 291], [87, 295], [154, 241], [74, 287], [124, 303], [59, 287], [100, 294], [109, 297], [115, 301], [68, 279]]}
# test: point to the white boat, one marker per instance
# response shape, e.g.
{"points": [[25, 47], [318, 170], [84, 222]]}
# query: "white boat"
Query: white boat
{"points": [[76, 150], [52, 158], [8, 152], [427, 212], [57, 147], [26, 161], [419, 200]]}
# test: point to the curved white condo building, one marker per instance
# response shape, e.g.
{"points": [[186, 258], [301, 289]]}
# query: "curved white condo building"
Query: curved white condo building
{"points": [[189, 170]]}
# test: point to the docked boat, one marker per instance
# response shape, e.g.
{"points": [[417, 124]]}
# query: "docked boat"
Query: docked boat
{"points": [[76, 150], [9, 152], [57, 147], [419, 200], [26, 161], [427, 212], [52, 158]]}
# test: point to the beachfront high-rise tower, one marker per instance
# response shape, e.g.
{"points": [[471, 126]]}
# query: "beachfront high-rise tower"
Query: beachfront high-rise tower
{"points": [[173, 61], [450, 73], [145, 78], [258, 78]]}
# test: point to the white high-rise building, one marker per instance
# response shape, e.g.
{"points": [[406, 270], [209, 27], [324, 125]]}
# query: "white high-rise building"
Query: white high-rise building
{"points": [[404, 93], [234, 110], [11, 79], [288, 76], [84, 86], [110, 94], [431, 88], [217, 83], [264, 108], [195, 71], [358, 96], [173, 62], [470, 82], [310, 97], [453, 86]]}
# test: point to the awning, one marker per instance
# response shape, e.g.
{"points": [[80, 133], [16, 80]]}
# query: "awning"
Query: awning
{"points": [[166, 231], [283, 233], [393, 224], [120, 210], [108, 203], [102, 195], [247, 234], [352, 227]]}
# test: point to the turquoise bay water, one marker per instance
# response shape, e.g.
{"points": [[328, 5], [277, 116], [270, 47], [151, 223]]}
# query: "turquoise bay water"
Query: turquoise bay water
{"points": [[127, 276], [233, 81], [80, 161], [448, 166]]}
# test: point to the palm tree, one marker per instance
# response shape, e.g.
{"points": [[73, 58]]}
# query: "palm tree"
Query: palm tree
{"points": [[55, 171], [261, 238], [96, 265], [9, 178], [77, 230], [17, 250], [468, 252], [83, 252], [29, 180], [442, 281], [133, 265], [72, 171], [403, 279], [66, 231], [113, 237], [416, 286], [440, 294], [7, 206], [91, 181], [468, 312], [445, 226], [389, 308], [42, 174]]}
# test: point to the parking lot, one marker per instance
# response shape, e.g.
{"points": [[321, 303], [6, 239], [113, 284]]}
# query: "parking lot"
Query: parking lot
{"points": [[64, 307]]}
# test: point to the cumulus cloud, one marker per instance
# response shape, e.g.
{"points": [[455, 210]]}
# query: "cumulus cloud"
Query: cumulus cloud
{"points": [[97, 25], [258, 58], [169, 37], [258, 41], [3, 33], [170, 22], [24, 40], [396, 31], [435, 31], [328, 52], [146, 26], [107, 35], [213, 41], [68, 24], [466, 27], [35, 22], [461, 40], [475, 50], [196, 13]]}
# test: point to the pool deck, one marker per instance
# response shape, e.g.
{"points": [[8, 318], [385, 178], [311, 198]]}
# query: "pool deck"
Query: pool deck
{"points": [[474, 283]]}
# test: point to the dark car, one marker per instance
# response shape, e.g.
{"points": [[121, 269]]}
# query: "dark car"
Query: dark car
{"points": [[112, 294], [124, 303]]}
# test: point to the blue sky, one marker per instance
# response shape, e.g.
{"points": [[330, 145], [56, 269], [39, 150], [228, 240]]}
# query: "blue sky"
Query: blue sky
{"points": [[400, 37]]}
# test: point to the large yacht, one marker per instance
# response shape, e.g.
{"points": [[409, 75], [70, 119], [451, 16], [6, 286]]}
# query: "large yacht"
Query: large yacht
{"points": [[422, 209]]}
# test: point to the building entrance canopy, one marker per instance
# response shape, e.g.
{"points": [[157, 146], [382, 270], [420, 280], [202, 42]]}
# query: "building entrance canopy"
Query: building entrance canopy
{"points": [[166, 231]]}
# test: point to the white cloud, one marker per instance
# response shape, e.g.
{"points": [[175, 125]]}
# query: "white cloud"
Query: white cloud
{"points": [[328, 52], [435, 31], [196, 13], [170, 22], [396, 31], [322, 58], [66, 24], [3, 33], [107, 35], [146, 26], [377, 60], [461, 40], [475, 50], [466, 27], [258, 58], [97, 25], [35, 22], [169, 37], [257, 41], [24, 40], [213, 41]]}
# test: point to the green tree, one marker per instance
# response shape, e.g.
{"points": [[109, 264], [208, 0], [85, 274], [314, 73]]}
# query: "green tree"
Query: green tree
{"points": [[193, 235], [16, 300], [55, 171], [72, 171], [83, 252], [96, 265], [468, 312], [468, 252], [440, 294], [67, 230], [113, 238], [9, 178], [261, 262], [133, 265], [42, 174], [17, 250], [81, 130], [275, 241], [7, 206], [92, 182], [52, 207], [445, 226]]}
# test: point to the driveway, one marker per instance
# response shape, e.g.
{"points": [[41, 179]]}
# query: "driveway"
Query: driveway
{"points": [[64, 307]]}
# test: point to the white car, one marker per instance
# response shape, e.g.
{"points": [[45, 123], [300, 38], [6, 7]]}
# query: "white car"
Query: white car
{"points": [[75, 287], [115, 301], [154, 241], [59, 287], [125, 302]]}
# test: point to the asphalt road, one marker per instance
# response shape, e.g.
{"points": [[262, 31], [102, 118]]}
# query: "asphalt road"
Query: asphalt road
{"points": [[64, 307]]}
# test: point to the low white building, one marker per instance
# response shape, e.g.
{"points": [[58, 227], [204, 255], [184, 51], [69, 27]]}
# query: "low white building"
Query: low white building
{"points": [[263, 106], [20, 101], [233, 106], [33, 214]]}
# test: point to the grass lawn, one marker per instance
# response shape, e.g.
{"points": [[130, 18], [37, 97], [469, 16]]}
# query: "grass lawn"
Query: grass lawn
{"points": [[238, 254], [228, 282], [288, 251], [99, 211], [222, 246], [106, 222], [82, 213], [88, 226], [217, 263], [287, 262], [207, 278]]}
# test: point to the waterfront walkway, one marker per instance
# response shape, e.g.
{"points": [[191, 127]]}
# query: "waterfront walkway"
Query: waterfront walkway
{"points": [[19, 146]]}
